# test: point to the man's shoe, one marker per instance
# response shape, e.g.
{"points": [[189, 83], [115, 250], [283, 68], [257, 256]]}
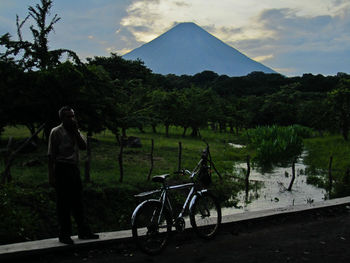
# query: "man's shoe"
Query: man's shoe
{"points": [[89, 236], [66, 240]]}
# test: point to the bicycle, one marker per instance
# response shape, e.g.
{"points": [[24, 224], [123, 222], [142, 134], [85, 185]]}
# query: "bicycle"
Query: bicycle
{"points": [[153, 219]]}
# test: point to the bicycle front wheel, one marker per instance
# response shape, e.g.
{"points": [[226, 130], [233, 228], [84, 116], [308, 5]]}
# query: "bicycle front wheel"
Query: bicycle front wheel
{"points": [[205, 215], [150, 229]]}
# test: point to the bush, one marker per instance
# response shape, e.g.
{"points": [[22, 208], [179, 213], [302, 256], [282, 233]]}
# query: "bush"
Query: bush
{"points": [[26, 214], [30, 214], [276, 145]]}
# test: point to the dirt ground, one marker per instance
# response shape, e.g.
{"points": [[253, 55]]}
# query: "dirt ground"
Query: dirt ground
{"points": [[318, 236]]}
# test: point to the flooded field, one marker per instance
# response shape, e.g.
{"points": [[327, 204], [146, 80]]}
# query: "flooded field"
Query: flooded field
{"points": [[269, 190]]}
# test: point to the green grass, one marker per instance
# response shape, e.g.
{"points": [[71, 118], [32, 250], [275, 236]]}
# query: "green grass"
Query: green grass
{"points": [[28, 200], [320, 149], [105, 151]]}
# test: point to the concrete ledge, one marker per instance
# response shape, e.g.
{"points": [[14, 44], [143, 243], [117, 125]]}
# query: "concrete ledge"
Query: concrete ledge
{"points": [[48, 245], [345, 201], [52, 244]]}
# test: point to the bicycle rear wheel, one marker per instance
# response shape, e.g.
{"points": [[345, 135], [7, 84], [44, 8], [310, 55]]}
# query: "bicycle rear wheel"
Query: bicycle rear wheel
{"points": [[150, 229], [205, 215]]}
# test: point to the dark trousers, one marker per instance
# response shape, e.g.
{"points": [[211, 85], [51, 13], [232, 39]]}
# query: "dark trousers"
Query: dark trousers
{"points": [[69, 199]]}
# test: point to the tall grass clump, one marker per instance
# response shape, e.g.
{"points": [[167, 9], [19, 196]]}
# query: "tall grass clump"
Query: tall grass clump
{"points": [[277, 145]]}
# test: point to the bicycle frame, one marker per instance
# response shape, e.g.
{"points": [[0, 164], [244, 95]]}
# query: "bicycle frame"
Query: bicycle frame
{"points": [[164, 199], [153, 219]]}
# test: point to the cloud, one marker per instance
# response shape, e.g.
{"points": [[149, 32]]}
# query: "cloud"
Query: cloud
{"points": [[322, 40], [267, 30], [263, 57], [89, 27], [292, 35], [182, 4]]}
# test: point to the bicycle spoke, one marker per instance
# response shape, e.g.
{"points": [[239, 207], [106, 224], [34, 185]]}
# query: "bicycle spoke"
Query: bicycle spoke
{"points": [[206, 216], [150, 235]]}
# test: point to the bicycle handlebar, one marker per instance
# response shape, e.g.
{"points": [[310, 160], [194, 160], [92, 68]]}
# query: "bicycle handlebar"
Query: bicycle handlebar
{"points": [[183, 171], [206, 157]]}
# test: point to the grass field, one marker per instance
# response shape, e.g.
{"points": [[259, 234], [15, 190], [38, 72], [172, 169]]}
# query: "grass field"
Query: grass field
{"points": [[28, 203], [105, 168], [320, 150]]}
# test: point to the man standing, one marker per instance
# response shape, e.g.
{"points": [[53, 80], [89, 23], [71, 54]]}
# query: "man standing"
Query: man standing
{"points": [[63, 150]]}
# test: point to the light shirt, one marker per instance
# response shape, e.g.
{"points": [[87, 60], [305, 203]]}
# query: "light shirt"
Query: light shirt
{"points": [[63, 147]]}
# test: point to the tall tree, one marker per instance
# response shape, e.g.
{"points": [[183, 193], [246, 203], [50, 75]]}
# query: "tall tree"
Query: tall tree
{"points": [[35, 54], [340, 102], [166, 107], [196, 113]]}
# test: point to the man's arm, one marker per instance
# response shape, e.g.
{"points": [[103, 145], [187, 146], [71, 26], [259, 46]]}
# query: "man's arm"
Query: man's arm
{"points": [[80, 140]]}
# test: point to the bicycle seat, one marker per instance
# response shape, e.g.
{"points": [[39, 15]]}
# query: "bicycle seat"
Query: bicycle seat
{"points": [[160, 178]]}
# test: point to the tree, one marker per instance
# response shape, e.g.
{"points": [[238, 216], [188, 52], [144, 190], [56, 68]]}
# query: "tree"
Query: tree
{"points": [[95, 99], [121, 69], [54, 88], [196, 110], [165, 107], [37, 89], [131, 106], [36, 54], [130, 80], [340, 102], [281, 107], [10, 74]]}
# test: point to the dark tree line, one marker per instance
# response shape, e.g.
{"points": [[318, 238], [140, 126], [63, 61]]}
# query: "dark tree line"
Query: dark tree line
{"points": [[116, 94]]}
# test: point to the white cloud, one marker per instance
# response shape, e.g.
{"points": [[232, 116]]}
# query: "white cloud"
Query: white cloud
{"points": [[263, 57], [275, 32], [157, 16]]}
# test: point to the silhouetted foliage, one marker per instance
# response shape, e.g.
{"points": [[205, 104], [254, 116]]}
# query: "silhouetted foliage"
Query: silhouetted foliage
{"points": [[36, 54]]}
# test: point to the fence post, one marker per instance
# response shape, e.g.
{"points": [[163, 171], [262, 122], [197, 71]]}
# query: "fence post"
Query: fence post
{"points": [[120, 160], [293, 176], [330, 177], [247, 178], [180, 156], [151, 169], [7, 173], [88, 159]]}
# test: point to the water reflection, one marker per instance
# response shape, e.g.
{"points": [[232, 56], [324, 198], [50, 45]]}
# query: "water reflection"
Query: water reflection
{"points": [[269, 190]]}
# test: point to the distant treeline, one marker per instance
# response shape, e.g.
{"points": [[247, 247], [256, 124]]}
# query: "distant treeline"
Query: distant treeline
{"points": [[110, 92], [116, 94]]}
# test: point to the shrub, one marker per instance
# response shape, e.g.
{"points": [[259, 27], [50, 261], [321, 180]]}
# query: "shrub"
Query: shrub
{"points": [[276, 145]]}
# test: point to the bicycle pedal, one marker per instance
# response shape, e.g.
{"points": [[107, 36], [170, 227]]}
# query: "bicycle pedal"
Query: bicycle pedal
{"points": [[180, 224]]}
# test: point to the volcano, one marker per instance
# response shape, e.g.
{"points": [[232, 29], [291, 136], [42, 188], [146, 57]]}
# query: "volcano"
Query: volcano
{"points": [[189, 49]]}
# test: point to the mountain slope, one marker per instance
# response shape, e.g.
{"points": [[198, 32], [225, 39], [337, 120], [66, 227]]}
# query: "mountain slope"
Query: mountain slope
{"points": [[189, 49]]}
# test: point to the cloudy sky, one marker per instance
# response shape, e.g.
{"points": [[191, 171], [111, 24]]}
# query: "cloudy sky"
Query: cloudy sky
{"points": [[292, 37]]}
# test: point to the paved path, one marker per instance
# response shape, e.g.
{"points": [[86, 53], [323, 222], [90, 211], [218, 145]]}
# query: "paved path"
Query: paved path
{"points": [[317, 235]]}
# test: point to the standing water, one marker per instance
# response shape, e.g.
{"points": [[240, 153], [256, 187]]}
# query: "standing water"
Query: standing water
{"points": [[269, 190]]}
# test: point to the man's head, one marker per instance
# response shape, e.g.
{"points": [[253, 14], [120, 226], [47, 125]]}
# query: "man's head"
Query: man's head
{"points": [[64, 110], [67, 117]]}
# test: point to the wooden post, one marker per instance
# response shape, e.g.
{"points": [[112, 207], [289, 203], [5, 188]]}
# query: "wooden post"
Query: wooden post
{"points": [[247, 178], [166, 130], [293, 176], [120, 160], [151, 169], [330, 177], [88, 159], [180, 156], [7, 173]]}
